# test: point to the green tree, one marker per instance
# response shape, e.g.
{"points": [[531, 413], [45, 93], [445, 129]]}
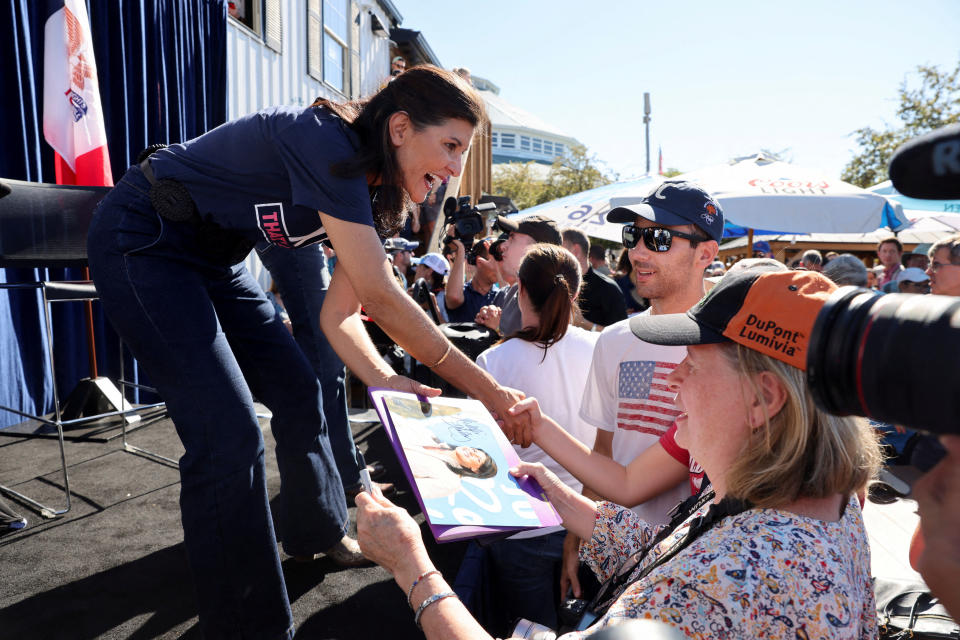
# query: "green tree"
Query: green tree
{"points": [[933, 103], [571, 173], [519, 182]]}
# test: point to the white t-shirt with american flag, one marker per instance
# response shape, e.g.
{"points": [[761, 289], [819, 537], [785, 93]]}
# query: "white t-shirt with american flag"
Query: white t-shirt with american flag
{"points": [[627, 394]]}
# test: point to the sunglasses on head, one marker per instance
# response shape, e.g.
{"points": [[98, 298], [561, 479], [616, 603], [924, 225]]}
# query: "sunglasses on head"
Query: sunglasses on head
{"points": [[657, 239]]}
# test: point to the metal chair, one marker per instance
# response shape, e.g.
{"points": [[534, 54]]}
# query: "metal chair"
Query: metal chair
{"points": [[45, 226]]}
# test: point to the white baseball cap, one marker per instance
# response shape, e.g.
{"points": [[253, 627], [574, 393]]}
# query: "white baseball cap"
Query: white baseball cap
{"points": [[913, 274], [435, 261]]}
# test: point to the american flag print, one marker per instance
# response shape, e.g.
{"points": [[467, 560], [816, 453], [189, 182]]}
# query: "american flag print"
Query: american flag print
{"points": [[645, 403]]}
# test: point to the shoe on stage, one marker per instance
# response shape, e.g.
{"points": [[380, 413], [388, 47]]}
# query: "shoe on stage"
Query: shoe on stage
{"points": [[345, 553]]}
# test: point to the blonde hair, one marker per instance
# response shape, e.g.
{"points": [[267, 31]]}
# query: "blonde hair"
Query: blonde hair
{"points": [[801, 451]]}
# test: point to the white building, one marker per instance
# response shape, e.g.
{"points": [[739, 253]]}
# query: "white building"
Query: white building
{"points": [[293, 51], [517, 135]]}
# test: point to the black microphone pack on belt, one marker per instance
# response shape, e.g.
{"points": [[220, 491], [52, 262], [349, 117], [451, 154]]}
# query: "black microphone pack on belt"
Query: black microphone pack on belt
{"points": [[172, 201], [170, 198]]}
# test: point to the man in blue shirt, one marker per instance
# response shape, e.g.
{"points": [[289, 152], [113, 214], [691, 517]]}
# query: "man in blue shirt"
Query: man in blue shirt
{"points": [[463, 301]]}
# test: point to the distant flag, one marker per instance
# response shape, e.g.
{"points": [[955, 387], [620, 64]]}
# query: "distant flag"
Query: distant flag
{"points": [[72, 114], [660, 161]]}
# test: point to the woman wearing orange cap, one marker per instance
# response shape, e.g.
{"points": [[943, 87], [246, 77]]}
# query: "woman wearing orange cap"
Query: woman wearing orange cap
{"points": [[775, 547]]}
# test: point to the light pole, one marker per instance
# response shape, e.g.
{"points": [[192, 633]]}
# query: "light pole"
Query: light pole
{"points": [[646, 123]]}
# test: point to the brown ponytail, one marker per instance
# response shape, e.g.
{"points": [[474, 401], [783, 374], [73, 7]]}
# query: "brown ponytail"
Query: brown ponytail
{"points": [[550, 276]]}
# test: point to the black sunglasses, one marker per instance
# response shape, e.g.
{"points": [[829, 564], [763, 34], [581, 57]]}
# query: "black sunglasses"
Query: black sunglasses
{"points": [[656, 239]]}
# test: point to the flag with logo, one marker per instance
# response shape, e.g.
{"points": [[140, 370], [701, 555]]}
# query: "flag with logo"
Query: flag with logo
{"points": [[72, 113]]}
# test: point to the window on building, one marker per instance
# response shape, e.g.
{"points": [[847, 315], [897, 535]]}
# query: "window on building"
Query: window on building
{"points": [[525, 143], [537, 145], [263, 17], [335, 37], [245, 11], [494, 139], [508, 140], [547, 147], [328, 32], [558, 149]]}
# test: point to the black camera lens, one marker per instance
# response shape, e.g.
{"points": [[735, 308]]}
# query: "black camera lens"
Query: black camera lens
{"points": [[496, 247], [888, 357]]}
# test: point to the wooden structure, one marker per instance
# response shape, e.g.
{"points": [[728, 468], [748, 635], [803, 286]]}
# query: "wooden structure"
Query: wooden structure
{"points": [[788, 247], [476, 178]]}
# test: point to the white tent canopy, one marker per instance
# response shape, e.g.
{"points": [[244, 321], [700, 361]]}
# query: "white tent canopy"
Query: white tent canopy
{"points": [[936, 216], [765, 195]]}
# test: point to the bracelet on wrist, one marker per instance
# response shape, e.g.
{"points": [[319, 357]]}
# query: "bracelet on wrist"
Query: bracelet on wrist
{"points": [[437, 597], [443, 357], [423, 576]]}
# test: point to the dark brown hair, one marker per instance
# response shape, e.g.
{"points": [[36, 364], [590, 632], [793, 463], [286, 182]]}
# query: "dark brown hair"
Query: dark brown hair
{"points": [[624, 267], [891, 239], [578, 238], [550, 276], [429, 96]]}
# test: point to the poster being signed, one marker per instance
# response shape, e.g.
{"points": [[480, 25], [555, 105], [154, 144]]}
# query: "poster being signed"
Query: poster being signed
{"points": [[458, 462]]}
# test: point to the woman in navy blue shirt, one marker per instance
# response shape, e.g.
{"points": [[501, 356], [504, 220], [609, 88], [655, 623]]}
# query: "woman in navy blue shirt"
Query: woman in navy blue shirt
{"points": [[166, 250]]}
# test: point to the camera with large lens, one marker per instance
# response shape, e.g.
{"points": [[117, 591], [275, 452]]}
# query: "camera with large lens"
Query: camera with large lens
{"points": [[496, 247], [890, 357], [467, 222]]}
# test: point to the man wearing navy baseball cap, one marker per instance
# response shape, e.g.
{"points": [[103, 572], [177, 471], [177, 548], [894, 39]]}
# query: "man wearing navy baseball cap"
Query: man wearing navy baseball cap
{"points": [[674, 203], [672, 235]]}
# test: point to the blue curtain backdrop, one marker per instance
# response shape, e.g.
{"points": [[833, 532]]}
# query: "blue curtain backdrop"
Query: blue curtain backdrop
{"points": [[163, 78]]}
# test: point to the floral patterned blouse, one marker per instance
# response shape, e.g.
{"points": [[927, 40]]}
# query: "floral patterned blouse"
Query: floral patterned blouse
{"points": [[764, 573]]}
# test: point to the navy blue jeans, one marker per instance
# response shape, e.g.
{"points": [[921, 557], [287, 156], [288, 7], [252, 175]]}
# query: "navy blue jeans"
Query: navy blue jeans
{"points": [[210, 341], [302, 278], [509, 579]]}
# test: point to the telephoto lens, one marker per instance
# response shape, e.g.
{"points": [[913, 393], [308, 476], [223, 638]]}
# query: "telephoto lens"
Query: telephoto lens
{"points": [[894, 358]]}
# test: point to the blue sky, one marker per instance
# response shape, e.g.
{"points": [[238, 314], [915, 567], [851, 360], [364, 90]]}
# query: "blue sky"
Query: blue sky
{"points": [[725, 78]]}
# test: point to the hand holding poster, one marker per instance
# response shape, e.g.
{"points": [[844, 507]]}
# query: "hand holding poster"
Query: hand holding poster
{"points": [[458, 463]]}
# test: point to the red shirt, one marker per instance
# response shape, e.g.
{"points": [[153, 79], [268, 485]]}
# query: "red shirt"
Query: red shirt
{"points": [[681, 455], [889, 275]]}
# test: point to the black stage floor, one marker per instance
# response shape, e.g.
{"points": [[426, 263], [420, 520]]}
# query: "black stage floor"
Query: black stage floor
{"points": [[114, 566]]}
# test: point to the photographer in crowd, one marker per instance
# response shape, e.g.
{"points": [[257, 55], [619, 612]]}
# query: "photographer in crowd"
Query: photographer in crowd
{"points": [[774, 546], [938, 559], [462, 301]]}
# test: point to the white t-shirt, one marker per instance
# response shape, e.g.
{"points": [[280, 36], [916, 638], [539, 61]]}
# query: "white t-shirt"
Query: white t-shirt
{"points": [[557, 384], [626, 393]]}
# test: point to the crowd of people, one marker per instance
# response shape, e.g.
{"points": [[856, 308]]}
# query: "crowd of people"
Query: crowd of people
{"points": [[790, 465], [695, 476], [646, 427]]}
